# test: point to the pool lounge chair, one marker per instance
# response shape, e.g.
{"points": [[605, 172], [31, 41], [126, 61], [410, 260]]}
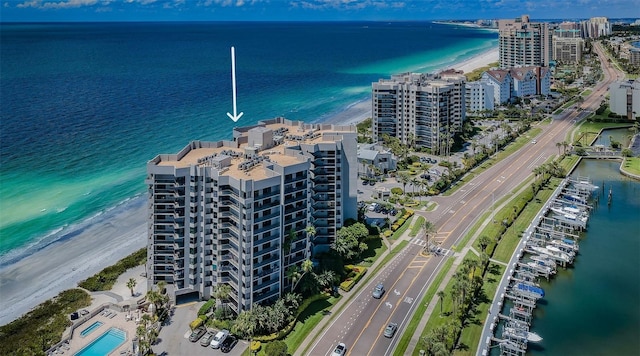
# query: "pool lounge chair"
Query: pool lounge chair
{"points": [[112, 315]]}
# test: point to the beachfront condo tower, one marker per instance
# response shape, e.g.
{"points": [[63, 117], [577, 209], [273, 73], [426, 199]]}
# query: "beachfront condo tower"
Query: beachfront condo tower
{"points": [[236, 212], [523, 43], [421, 110]]}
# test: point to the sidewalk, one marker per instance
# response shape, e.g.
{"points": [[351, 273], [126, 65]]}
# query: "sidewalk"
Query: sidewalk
{"points": [[347, 296], [459, 256]]}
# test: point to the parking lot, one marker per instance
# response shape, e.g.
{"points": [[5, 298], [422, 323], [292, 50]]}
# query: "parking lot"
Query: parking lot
{"points": [[174, 336]]}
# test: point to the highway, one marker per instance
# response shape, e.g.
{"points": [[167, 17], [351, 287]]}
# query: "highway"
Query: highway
{"points": [[361, 323]]}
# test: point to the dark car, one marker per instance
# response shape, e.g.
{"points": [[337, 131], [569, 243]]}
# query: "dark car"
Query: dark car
{"points": [[228, 343]]}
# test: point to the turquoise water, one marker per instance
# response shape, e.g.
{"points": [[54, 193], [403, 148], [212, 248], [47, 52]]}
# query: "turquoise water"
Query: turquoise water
{"points": [[104, 344], [85, 105], [593, 308], [90, 328]]}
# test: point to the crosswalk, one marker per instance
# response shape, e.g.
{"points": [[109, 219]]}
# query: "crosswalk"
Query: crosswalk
{"points": [[433, 248]]}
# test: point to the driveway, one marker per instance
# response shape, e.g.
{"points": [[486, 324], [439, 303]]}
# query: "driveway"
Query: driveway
{"points": [[174, 336]]}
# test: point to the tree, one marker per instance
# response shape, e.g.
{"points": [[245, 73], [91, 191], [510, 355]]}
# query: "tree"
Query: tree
{"points": [[131, 284], [484, 242], [558, 144], [222, 293], [429, 229], [348, 241], [440, 295], [326, 278], [276, 348], [311, 231], [403, 178]]}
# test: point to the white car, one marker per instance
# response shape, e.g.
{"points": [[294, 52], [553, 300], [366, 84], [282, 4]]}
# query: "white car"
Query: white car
{"points": [[340, 350], [219, 338]]}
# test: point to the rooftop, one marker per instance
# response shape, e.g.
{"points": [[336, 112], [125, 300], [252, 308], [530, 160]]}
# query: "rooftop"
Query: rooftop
{"points": [[253, 146]]}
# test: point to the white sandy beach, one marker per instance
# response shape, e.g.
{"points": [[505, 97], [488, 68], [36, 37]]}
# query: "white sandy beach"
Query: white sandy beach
{"points": [[362, 110], [62, 265]]}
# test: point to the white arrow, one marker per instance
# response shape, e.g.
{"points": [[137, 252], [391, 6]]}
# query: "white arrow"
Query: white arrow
{"points": [[235, 117]]}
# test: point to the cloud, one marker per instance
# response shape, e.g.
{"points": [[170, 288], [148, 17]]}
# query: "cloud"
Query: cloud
{"points": [[345, 4], [227, 3]]}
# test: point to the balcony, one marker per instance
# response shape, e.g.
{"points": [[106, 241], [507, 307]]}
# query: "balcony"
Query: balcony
{"points": [[263, 251], [266, 262]]}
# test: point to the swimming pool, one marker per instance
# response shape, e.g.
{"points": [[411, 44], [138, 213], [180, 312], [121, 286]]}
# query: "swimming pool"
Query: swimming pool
{"points": [[90, 328], [104, 344]]}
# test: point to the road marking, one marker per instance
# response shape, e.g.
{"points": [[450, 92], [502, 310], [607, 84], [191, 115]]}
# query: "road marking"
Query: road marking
{"points": [[395, 291], [408, 300], [388, 305]]}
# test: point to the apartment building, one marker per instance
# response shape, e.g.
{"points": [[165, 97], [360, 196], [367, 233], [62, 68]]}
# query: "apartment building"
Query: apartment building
{"points": [[517, 82], [478, 97], [236, 212], [523, 43], [624, 98], [501, 82], [419, 109], [567, 46], [595, 27]]}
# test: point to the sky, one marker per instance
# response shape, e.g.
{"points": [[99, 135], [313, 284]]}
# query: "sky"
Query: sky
{"points": [[308, 10]]}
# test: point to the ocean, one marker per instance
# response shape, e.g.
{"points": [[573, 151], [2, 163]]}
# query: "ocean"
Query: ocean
{"points": [[592, 307], [84, 106]]}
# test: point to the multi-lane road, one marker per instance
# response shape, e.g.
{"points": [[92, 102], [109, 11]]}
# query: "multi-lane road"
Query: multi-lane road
{"points": [[361, 323]]}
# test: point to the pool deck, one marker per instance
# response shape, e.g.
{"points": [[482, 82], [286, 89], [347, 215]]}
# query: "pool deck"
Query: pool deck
{"points": [[118, 295], [119, 321]]}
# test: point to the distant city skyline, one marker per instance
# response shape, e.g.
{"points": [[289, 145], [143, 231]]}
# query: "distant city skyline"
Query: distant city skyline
{"points": [[307, 10]]}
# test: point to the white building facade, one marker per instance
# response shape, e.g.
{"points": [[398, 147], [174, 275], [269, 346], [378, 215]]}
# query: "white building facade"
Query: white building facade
{"points": [[479, 96], [624, 99]]}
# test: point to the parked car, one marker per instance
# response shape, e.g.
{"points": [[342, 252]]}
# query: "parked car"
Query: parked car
{"points": [[372, 207], [197, 333], [219, 338], [206, 339], [378, 291], [340, 350], [390, 330], [228, 343]]}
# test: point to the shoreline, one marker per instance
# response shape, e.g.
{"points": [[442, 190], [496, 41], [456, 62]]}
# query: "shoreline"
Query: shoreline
{"points": [[62, 264]]}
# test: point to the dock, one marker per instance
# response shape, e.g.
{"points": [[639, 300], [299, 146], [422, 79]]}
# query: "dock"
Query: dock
{"points": [[552, 240]]}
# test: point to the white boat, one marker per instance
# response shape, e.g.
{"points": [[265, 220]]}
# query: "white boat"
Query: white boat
{"points": [[557, 250], [558, 255], [545, 261], [566, 245], [538, 266]]}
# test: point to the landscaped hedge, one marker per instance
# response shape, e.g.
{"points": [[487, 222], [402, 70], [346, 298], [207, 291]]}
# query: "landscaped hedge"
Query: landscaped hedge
{"points": [[206, 307], [106, 278], [354, 277]]}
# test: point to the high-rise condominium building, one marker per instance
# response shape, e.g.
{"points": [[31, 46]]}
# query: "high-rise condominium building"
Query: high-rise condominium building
{"points": [[595, 27], [523, 43], [625, 98], [419, 109], [236, 212], [567, 46]]}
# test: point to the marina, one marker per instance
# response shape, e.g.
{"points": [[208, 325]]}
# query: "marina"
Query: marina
{"points": [[551, 241]]}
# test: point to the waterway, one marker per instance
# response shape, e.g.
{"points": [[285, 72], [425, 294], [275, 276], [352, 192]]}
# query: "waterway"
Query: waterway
{"points": [[622, 135], [593, 308]]}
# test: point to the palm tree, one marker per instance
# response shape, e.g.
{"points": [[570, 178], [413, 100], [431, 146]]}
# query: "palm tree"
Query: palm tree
{"points": [[558, 144], [403, 178], [440, 295], [222, 293], [429, 229], [131, 284], [326, 278], [414, 182], [484, 241], [311, 231]]}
